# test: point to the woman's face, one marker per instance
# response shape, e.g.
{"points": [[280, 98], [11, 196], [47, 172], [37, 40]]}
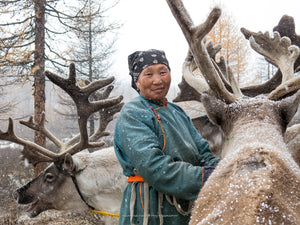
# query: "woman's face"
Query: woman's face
{"points": [[154, 82]]}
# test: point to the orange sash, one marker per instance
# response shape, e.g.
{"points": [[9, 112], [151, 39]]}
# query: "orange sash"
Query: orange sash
{"points": [[135, 178]]}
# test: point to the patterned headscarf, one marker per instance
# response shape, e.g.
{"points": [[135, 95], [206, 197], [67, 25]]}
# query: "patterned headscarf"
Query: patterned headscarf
{"points": [[139, 60]]}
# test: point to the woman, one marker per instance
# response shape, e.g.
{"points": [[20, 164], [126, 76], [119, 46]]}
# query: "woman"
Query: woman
{"points": [[160, 150]]}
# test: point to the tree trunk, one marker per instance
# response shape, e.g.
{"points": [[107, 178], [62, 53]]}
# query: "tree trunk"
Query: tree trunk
{"points": [[38, 69], [91, 119]]}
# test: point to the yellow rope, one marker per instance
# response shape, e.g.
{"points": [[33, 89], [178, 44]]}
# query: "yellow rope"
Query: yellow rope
{"points": [[103, 213]]}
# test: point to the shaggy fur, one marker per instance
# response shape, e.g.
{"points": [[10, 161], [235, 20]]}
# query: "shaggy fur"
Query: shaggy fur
{"points": [[258, 181], [292, 140]]}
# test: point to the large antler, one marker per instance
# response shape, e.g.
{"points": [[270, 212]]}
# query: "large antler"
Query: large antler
{"points": [[195, 37], [282, 53], [191, 86], [278, 50], [285, 27], [106, 108]]}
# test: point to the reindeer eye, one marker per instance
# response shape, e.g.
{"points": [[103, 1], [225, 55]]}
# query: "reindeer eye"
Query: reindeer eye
{"points": [[49, 177]]}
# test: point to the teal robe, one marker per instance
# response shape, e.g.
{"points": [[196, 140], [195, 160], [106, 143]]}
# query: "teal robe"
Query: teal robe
{"points": [[176, 171]]}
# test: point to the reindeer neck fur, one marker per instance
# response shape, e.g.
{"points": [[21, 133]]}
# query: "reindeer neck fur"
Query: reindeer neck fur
{"points": [[253, 134], [253, 123], [102, 189], [257, 180]]}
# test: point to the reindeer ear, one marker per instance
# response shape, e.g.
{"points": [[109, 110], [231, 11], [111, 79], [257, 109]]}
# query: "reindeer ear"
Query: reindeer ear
{"points": [[69, 164], [288, 107], [214, 108]]}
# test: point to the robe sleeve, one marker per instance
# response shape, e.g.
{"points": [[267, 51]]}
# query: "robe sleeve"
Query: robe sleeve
{"points": [[207, 158]]}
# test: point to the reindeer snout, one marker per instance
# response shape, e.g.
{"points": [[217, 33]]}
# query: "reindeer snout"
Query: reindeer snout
{"points": [[21, 197]]}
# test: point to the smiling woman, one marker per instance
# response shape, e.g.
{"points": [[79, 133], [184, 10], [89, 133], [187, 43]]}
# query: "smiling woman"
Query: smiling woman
{"points": [[161, 152], [154, 82]]}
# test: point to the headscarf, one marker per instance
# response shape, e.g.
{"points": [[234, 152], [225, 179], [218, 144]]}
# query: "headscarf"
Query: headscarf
{"points": [[139, 60]]}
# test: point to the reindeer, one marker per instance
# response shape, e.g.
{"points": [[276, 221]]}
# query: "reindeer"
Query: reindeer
{"points": [[74, 181], [257, 181]]}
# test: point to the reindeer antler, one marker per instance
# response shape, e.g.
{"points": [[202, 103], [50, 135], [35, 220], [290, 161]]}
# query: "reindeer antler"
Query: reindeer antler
{"points": [[195, 38], [106, 108], [278, 50], [9, 135], [41, 128], [81, 99], [282, 53]]}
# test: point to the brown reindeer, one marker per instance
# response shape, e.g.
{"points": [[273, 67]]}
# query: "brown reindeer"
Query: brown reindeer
{"points": [[74, 181], [257, 181]]}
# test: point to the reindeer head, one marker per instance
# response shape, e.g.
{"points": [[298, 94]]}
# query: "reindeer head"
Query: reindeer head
{"points": [[45, 191]]}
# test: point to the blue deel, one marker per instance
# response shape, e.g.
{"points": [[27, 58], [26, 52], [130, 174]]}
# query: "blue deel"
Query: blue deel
{"points": [[176, 171]]}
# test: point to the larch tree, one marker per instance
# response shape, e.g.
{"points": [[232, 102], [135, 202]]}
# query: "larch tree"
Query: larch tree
{"points": [[235, 48], [34, 34], [94, 38], [23, 51]]}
